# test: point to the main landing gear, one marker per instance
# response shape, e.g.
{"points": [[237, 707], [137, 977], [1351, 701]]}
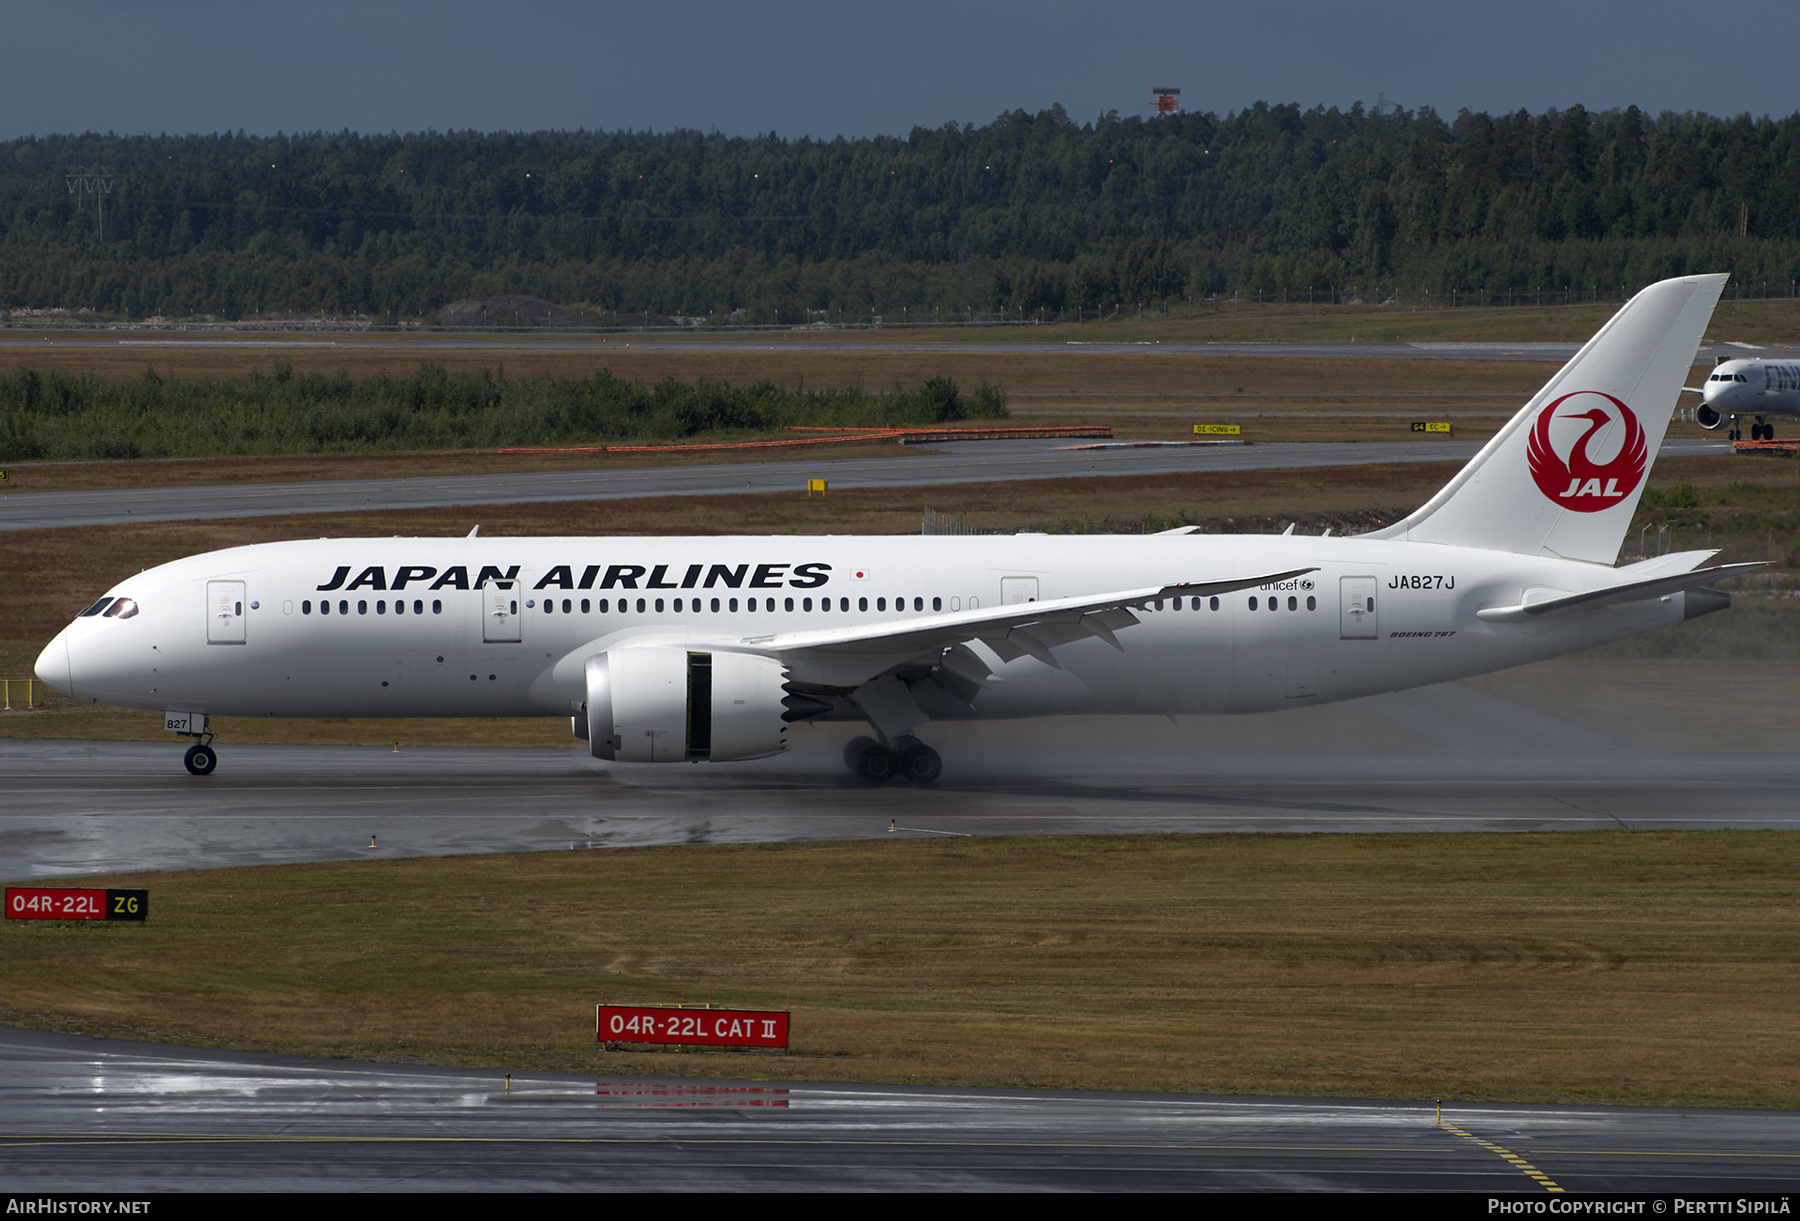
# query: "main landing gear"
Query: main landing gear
{"points": [[907, 758], [1759, 431]]}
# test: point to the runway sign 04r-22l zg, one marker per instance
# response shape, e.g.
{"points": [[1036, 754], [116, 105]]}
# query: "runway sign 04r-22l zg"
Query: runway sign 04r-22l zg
{"points": [[68, 903]]}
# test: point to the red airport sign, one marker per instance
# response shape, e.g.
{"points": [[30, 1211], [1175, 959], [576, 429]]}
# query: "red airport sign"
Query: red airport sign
{"points": [[691, 1027], [69, 903]]}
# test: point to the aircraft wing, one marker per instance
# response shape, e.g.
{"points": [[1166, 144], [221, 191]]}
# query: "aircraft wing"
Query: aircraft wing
{"points": [[1611, 595], [1026, 628]]}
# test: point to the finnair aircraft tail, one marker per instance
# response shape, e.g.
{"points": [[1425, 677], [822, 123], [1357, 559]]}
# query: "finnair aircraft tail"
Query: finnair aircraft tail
{"points": [[1564, 476]]}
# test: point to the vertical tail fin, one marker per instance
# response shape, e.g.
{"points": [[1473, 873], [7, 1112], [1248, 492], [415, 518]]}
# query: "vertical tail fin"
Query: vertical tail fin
{"points": [[1564, 476]]}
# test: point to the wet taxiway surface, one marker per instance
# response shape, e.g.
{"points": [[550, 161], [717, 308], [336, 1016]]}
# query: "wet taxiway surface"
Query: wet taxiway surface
{"points": [[1446, 758], [98, 1115], [963, 462]]}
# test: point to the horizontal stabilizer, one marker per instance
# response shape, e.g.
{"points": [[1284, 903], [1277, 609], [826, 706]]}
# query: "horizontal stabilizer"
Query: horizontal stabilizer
{"points": [[1612, 595]]}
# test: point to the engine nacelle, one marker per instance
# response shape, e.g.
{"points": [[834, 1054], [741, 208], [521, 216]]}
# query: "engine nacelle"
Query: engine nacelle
{"points": [[657, 704], [1707, 417]]}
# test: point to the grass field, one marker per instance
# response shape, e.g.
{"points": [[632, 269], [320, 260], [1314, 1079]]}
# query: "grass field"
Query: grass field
{"points": [[1605, 967]]}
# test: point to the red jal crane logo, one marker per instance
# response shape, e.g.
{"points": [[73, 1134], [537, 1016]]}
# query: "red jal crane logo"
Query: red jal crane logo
{"points": [[1579, 481]]}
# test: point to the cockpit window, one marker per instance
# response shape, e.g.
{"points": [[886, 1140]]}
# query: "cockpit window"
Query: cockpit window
{"points": [[95, 609], [124, 608]]}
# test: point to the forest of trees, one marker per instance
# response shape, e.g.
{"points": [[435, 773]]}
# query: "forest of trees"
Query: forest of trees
{"points": [[1030, 212]]}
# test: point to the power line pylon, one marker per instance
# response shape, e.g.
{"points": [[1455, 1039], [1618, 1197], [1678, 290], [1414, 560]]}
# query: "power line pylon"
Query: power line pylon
{"points": [[98, 183]]}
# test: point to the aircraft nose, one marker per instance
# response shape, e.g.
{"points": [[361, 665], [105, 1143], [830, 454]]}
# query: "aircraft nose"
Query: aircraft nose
{"points": [[53, 665]]}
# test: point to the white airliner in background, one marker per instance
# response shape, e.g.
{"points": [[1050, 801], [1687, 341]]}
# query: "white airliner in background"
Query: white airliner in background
{"points": [[687, 649], [1757, 387]]}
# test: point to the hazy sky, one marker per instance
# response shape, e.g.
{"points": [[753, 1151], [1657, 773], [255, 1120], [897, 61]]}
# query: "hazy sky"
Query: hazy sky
{"points": [[798, 67]]}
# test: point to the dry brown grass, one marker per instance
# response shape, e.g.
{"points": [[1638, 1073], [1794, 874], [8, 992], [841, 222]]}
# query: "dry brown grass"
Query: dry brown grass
{"points": [[1626, 968]]}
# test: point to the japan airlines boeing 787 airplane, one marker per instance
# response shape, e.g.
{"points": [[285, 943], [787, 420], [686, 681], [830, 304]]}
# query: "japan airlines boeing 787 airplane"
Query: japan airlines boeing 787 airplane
{"points": [[681, 650]]}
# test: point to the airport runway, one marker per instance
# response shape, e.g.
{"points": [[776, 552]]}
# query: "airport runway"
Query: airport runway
{"points": [[962, 462], [790, 341], [85, 1115], [1446, 758], [100, 1115]]}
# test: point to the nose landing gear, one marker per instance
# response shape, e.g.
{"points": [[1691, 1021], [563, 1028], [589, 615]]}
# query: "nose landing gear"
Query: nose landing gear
{"points": [[201, 758]]}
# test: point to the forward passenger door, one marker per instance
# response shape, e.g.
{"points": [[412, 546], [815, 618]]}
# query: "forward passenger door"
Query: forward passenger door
{"points": [[226, 622], [501, 622]]}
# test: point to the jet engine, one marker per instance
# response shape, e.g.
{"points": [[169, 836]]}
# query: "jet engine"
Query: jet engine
{"points": [[656, 704], [1707, 417]]}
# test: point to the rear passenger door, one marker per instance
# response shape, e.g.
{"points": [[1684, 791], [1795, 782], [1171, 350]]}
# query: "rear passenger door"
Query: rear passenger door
{"points": [[1357, 618]]}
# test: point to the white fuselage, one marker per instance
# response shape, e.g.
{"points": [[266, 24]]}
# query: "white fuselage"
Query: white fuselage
{"points": [[1754, 387], [408, 629]]}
